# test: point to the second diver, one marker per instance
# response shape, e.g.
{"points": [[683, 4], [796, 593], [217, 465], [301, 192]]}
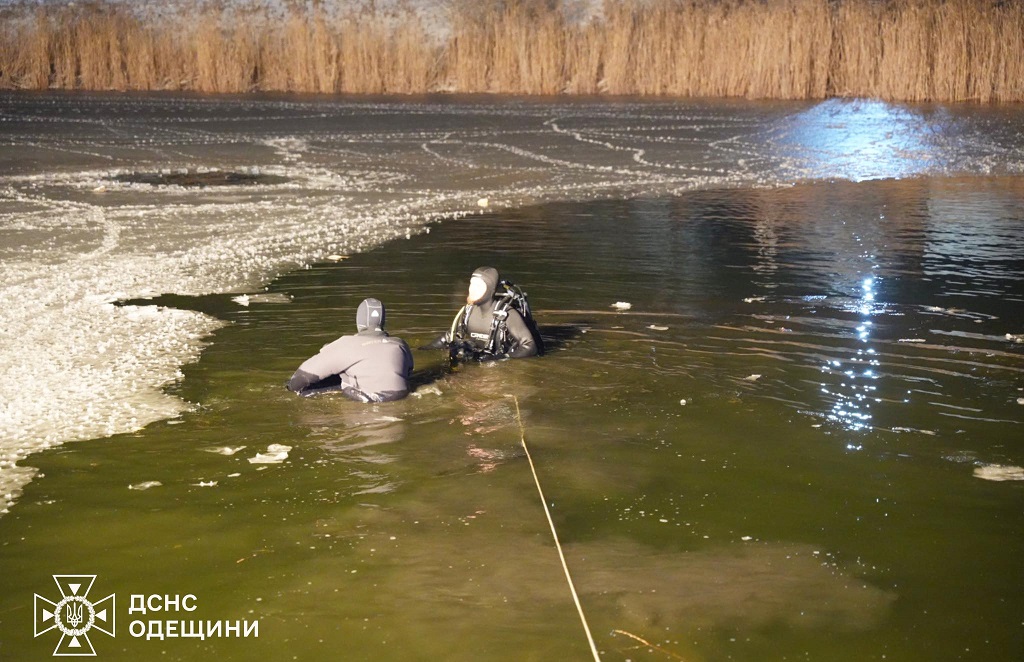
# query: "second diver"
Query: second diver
{"points": [[495, 323]]}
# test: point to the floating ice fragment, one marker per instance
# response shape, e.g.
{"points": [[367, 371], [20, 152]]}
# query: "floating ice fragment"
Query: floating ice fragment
{"points": [[751, 378], [901, 429], [270, 297], [683, 402], [1020, 401], [241, 300], [275, 453], [655, 327], [746, 538], [205, 483], [937, 308], [753, 299], [224, 450], [483, 203], [424, 390], [999, 472], [1015, 337], [622, 305], [234, 475], [145, 485], [337, 258], [910, 340]]}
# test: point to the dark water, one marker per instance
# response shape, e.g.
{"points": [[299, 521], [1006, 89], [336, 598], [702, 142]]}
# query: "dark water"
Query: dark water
{"points": [[841, 351]]}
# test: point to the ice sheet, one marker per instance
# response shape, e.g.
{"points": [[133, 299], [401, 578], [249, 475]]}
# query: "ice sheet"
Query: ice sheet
{"points": [[76, 235]]}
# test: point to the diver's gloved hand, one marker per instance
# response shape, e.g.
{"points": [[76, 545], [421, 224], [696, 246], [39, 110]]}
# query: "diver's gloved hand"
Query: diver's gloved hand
{"points": [[437, 343], [461, 351]]}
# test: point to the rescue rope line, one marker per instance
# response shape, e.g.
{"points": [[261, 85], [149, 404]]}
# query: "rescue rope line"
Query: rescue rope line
{"points": [[554, 534], [649, 644]]}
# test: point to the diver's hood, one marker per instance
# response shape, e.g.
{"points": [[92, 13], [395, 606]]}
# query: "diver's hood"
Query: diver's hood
{"points": [[489, 275], [370, 316]]}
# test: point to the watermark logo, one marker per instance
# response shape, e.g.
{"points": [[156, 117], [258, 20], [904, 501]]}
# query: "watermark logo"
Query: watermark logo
{"points": [[74, 615]]}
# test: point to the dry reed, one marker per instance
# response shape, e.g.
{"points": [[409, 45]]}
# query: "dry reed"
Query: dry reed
{"points": [[911, 50]]}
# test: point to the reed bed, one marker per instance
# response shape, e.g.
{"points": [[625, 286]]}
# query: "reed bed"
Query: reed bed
{"points": [[906, 50]]}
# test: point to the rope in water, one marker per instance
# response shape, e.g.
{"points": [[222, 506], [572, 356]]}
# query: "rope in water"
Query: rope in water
{"points": [[554, 534]]}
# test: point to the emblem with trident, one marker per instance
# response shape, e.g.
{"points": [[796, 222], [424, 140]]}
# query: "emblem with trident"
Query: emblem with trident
{"points": [[74, 614]]}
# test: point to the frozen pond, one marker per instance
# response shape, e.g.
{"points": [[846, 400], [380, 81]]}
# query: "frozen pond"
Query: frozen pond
{"points": [[841, 346]]}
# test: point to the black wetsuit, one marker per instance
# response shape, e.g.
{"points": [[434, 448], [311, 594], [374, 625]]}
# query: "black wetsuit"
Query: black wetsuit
{"points": [[475, 325], [370, 366]]}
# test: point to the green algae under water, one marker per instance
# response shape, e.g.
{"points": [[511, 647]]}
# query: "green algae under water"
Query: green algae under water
{"points": [[770, 455]]}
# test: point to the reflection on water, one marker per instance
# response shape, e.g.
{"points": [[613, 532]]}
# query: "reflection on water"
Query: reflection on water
{"points": [[122, 196], [853, 396], [776, 451], [863, 139]]}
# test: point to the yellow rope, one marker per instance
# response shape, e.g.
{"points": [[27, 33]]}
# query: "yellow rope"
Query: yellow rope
{"points": [[554, 534], [649, 644]]}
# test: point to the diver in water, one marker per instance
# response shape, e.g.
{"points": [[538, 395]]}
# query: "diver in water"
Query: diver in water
{"points": [[370, 366], [495, 323]]}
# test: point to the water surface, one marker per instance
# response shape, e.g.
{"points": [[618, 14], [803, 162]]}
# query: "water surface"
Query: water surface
{"points": [[128, 196], [776, 453]]}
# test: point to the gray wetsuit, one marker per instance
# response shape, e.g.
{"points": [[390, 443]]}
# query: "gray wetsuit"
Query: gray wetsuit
{"points": [[520, 340], [370, 366]]}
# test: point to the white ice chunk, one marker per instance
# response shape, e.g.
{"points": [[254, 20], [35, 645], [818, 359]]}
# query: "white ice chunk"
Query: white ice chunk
{"points": [[224, 450], [427, 390], [269, 297], [145, 485], [275, 454], [999, 472]]}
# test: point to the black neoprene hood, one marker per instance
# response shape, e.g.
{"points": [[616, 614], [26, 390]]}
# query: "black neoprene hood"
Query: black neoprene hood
{"points": [[489, 275]]}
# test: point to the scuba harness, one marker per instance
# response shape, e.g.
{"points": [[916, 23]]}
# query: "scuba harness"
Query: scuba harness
{"points": [[498, 341]]}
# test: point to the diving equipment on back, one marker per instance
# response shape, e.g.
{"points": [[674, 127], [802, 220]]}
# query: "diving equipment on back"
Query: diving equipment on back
{"points": [[495, 323]]}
